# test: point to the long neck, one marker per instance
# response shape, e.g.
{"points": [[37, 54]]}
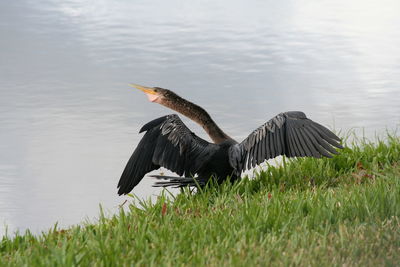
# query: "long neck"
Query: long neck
{"points": [[197, 114]]}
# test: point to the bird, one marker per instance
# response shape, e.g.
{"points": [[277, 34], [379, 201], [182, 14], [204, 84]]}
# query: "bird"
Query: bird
{"points": [[169, 143]]}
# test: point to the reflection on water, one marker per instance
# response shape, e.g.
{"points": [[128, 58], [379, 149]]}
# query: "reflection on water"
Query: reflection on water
{"points": [[69, 121]]}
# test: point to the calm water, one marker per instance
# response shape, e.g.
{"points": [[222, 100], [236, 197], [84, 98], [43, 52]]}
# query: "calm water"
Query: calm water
{"points": [[69, 121]]}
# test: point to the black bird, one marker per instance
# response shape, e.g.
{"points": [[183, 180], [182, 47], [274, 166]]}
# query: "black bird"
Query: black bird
{"points": [[169, 143]]}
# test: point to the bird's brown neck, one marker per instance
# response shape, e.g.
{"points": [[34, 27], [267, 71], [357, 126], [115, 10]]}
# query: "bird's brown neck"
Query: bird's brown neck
{"points": [[197, 114]]}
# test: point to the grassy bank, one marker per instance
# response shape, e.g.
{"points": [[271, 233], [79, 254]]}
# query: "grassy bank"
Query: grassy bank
{"points": [[344, 210]]}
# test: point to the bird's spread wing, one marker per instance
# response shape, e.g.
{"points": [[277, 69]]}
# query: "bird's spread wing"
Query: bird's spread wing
{"points": [[167, 143], [289, 133]]}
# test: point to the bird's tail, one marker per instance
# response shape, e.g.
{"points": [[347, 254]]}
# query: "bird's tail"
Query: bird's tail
{"points": [[178, 182]]}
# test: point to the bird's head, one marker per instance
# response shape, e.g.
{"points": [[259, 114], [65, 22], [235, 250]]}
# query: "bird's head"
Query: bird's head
{"points": [[155, 94]]}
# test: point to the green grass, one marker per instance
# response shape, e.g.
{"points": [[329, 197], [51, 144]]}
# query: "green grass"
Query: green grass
{"points": [[340, 211]]}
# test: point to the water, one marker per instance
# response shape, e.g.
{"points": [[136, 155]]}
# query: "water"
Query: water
{"points": [[69, 121]]}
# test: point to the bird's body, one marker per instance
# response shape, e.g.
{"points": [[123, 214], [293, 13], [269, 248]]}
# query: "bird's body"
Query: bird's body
{"points": [[169, 143]]}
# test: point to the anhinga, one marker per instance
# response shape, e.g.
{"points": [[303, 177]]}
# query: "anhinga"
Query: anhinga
{"points": [[169, 143]]}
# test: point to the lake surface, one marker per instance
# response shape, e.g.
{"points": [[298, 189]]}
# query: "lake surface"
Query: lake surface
{"points": [[69, 121]]}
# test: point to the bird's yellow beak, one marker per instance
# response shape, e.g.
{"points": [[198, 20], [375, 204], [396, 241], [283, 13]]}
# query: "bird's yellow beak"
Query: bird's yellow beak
{"points": [[145, 89], [151, 93]]}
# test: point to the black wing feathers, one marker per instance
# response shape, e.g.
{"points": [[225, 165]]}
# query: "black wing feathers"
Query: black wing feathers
{"points": [[289, 133], [167, 143]]}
